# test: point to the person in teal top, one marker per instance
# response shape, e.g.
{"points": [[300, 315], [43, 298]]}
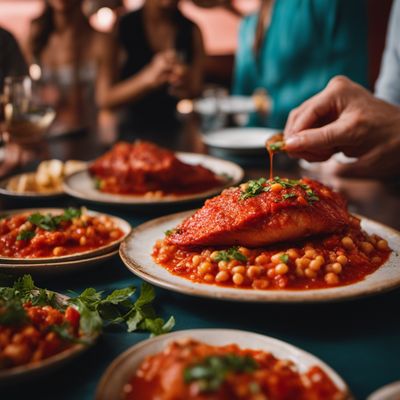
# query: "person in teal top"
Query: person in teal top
{"points": [[292, 48]]}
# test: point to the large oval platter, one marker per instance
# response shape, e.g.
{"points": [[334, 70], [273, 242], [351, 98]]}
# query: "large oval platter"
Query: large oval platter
{"points": [[136, 253], [123, 367], [48, 365], [82, 186], [119, 222]]}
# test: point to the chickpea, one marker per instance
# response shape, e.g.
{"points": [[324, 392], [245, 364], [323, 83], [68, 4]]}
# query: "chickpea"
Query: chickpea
{"points": [[331, 278], [17, 353], [315, 265], [260, 284], [342, 260], [276, 187], [376, 260], [320, 259], [82, 240], [238, 279], [337, 268], [114, 234], [245, 251], [204, 267], [222, 276], [347, 243], [262, 259], [310, 253], [209, 278], [292, 253], [382, 245], [233, 263], [90, 232], [305, 262], [244, 187], [367, 247], [196, 260], [281, 269], [223, 266], [276, 258], [214, 255], [309, 273], [240, 269], [58, 251], [253, 272], [271, 273], [299, 272]]}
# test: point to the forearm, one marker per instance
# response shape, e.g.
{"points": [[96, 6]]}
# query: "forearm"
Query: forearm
{"points": [[127, 91]]}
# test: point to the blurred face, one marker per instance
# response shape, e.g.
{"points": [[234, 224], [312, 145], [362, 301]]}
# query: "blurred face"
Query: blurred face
{"points": [[64, 5], [167, 4]]}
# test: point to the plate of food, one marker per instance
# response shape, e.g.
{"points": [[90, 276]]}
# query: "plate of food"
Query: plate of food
{"points": [[276, 240], [41, 330], [45, 235], [142, 173], [239, 140], [44, 183], [46, 268], [219, 364]]}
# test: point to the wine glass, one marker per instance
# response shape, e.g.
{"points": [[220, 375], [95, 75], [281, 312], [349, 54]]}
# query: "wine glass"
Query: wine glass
{"points": [[26, 118]]}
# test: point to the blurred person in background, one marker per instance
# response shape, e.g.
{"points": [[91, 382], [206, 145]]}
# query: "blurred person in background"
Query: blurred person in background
{"points": [[163, 62], [12, 63], [293, 48], [70, 55]]}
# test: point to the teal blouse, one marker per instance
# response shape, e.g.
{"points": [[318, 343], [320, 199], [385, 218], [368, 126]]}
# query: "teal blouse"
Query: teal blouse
{"points": [[307, 43]]}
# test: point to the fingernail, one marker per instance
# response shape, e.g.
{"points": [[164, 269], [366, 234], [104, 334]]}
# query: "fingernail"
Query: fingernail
{"points": [[292, 142]]}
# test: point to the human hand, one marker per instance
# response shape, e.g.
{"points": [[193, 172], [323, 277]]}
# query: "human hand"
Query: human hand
{"points": [[159, 70], [346, 117]]}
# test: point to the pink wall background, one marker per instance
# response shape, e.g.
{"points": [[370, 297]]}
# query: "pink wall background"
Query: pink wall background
{"points": [[219, 26]]}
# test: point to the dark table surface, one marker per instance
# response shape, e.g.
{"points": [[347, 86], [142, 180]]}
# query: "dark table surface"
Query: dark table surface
{"points": [[359, 339]]}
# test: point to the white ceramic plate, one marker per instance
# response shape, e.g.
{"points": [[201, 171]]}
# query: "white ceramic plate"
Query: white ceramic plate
{"points": [[239, 139], [56, 267], [136, 252], [27, 195], [123, 367], [120, 223], [387, 392], [81, 184], [48, 365]]}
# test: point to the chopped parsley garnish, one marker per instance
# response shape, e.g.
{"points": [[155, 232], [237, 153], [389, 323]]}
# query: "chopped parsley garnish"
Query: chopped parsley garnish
{"points": [[25, 235], [98, 183], [169, 232], [253, 188], [284, 258], [211, 373], [289, 195], [49, 222], [277, 146], [231, 254]]}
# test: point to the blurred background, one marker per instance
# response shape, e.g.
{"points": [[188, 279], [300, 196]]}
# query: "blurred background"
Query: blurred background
{"points": [[109, 70]]}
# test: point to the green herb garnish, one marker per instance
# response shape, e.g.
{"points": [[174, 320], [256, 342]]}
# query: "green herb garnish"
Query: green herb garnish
{"points": [[98, 183], [231, 254], [289, 195], [49, 222], [118, 308], [25, 235], [284, 258], [253, 188], [169, 232], [212, 372], [277, 146]]}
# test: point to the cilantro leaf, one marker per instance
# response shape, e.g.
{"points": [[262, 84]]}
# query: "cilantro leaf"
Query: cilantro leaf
{"points": [[289, 195], [231, 254], [284, 258], [211, 373], [26, 235], [253, 188]]}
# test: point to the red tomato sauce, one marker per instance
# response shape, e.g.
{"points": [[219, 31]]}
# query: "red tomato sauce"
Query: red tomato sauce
{"points": [[78, 235], [328, 261], [34, 340], [162, 377]]}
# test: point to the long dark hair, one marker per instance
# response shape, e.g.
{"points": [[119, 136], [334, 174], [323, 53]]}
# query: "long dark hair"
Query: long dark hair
{"points": [[44, 27]]}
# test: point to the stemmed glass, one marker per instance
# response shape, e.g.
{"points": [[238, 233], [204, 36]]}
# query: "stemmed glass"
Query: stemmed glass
{"points": [[25, 121]]}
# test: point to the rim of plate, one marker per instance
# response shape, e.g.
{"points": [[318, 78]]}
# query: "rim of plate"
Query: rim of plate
{"points": [[386, 392], [57, 267], [23, 371], [121, 223], [235, 172], [117, 372], [28, 194], [145, 267], [220, 139]]}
